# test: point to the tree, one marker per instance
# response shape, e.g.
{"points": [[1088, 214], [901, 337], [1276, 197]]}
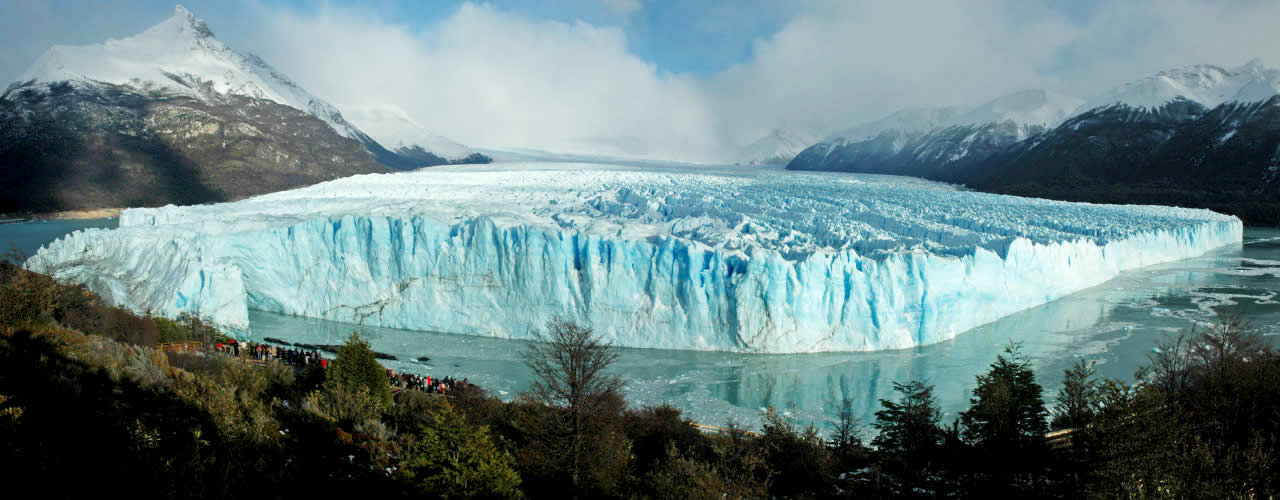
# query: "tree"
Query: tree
{"points": [[909, 425], [1077, 399], [357, 369], [1007, 410], [569, 364], [449, 458], [797, 458], [846, 435]]}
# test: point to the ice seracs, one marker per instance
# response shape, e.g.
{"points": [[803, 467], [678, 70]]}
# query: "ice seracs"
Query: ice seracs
{"points": [[759, 261]]}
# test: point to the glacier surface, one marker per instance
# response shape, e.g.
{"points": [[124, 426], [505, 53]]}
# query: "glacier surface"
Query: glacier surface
{"points": [[749, 260]]}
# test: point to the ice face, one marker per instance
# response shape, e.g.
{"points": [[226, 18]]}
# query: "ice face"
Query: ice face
{"points": [[735, 260]]}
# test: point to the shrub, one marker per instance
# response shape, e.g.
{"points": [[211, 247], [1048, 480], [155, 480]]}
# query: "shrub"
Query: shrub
{"points": [[449, 458]]}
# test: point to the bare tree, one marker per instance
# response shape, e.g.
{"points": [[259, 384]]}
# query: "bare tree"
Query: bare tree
{"points": [[568, 364], [847, 432]]}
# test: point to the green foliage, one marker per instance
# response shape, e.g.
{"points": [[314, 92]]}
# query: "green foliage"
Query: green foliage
{"points": [[797, 458], [1204, 424], [681, 476], [344, 404], [1007, 410], [449, 458], [356, 370], [909, 425], [1200, 422], [654, 429], [27, 297], [1077, 399], [187, 327]]}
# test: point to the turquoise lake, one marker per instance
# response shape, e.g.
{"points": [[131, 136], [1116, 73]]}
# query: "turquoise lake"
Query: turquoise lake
{"points": [[1116, 324]]}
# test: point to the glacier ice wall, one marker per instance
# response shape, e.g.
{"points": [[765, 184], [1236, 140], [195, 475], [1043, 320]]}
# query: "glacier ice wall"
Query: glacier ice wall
{"points": [[756, 261]]}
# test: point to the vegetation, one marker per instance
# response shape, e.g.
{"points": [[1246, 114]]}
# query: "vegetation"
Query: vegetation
{"points": [[87, 405]]}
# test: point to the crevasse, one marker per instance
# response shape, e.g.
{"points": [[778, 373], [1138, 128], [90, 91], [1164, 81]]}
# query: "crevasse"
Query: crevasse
{"points": [[500, 252]]}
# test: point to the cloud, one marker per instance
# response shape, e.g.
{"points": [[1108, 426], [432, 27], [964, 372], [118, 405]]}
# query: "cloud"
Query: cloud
{"points": [[842, 63], [495, 77], [486, 77]]}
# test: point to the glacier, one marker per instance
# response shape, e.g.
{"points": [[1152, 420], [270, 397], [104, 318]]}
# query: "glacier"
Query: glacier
{"points": [[729, 259]]}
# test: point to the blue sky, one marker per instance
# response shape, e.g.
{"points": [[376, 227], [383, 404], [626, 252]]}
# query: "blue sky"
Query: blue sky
{"points": [[698, 37], [679, 79]]}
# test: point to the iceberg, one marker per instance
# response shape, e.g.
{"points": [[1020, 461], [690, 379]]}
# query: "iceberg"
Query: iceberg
{"points": [[729, 259]]}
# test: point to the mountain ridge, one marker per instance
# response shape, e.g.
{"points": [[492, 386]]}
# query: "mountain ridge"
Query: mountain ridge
{"points": [[1215, 144]]}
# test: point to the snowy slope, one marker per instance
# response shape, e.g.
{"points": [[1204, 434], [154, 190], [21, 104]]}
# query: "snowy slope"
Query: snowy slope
{"points": [[395, 130], [913, 141], [910, 121], [1208, 85], [1035, 107], [181, 56], [776, 148], [735, 260]]}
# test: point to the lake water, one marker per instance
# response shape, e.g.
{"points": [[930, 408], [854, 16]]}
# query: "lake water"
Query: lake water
{"points": [[1115, 324]]}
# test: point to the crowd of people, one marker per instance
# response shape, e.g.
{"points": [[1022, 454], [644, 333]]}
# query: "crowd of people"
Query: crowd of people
{"points": [[266, 352], [302, 358], [424, 383]]}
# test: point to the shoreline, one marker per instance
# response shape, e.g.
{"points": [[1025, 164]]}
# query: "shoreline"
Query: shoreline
{"points": [[93, 213]]}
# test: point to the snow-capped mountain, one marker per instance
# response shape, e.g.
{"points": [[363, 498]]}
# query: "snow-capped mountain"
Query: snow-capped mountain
{"points": [[1199, 136], [1029, 108], [937, 137], [168, 116], [1207, 85], [182, 57], [776, 148], [395, 130]]}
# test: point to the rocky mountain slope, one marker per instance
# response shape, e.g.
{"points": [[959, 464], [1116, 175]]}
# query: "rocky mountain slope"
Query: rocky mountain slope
{"points": [[173, 115], [1200, 136], [73, 147], [937, 138]]}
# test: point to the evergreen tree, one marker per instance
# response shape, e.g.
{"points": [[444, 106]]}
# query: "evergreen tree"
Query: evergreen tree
{"points": [[1077, 399], [449, 458], [909, 425], [357, 369], [1007, 410]]}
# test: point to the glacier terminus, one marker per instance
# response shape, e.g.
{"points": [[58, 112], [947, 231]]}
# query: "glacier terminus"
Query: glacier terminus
{"points": [[728, 259]]}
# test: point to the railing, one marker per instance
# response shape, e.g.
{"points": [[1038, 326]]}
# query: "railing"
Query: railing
{"points": [[1059, 439], [720, 431], [188, 346]]}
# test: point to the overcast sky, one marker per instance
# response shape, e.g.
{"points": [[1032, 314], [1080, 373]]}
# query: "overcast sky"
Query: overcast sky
{"points": [[678, 79]]}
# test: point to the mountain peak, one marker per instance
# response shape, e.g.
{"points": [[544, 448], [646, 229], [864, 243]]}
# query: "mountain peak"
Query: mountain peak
{"points": [[1205, 84], [185, 22]]}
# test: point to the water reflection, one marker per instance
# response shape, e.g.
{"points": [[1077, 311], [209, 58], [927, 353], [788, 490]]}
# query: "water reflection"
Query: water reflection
{"points": [[1115, 324]]}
